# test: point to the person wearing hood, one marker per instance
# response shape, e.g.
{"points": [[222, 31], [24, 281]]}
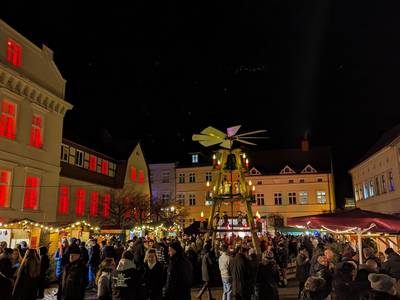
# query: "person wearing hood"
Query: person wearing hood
{"points": [[362, 285], [103, 279], [125, 280], [392, 265], [44, 266], [343, 283], [241, 277], [383, 287], [179, 275], [75, 276]]}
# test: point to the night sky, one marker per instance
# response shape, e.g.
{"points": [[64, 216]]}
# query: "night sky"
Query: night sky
{"points": [[159, 71]]}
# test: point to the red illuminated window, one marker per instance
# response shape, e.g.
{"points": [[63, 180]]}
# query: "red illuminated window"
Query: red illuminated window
{"points": [[141, 177], [133, 174], [14, 53], [80, 202], [32, 187], [127, 207], [104, 167], [63, 201], [37, 131], [92, 163], [106, 206], [8, 119], [5, 177], [94, 201]]}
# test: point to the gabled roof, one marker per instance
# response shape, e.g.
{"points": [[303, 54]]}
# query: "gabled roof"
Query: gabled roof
{"points": [[287, 170], [274, 161], [308, 169]]}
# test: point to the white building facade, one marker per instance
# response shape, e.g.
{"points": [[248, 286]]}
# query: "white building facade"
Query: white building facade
{"points": [[32, 113], [376, 178]]}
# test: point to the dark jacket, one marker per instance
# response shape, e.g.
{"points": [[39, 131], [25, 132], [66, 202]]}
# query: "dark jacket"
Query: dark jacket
{"points": [[377, 295], [26, 287], [302, 267], [179, 278], [240, 271], [74, 281], [267, 281], [94, 255], [154, 281], [6, 276], [108, 252], [392, 265], [138, 254], [362, 286], [125, 281], [84, 254], [44, 265]]}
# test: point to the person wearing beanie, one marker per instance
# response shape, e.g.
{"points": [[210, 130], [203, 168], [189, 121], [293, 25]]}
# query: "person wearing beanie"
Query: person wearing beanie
{"points": [[383, 287], [392, 265], [75, 276], [179, 274]]}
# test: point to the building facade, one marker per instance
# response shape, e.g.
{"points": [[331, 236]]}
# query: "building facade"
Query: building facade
{"points": [[32, 94], [89, 181], [162, 182], [288, 183], [376, 177]]}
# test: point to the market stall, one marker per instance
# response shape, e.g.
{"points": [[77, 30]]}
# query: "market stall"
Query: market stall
{"points": [[385, 228]]}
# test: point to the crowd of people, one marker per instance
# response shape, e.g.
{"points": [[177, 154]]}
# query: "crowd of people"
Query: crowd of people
{"points": [[155, 269]]}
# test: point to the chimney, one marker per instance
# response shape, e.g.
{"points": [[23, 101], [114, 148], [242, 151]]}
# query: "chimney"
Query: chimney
{"points": [[305, 145]]}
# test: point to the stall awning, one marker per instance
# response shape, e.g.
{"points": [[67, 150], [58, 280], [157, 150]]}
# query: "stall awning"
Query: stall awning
{"points": [[347, 219]]}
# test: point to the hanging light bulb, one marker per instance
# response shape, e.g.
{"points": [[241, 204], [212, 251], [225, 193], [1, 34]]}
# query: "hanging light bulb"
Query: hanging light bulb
{"points": [[250, 183], [208, 184], [247, 162], [244, 155]]}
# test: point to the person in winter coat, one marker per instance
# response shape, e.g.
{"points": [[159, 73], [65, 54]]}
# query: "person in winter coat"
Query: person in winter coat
{"points": [[392, 265], [206, 271], [6, 274], [75, 276], [313, 289], [44, 266], [27, 282], [61, 258], [94, 261], [343, 283], [153, 276], [179, 275], [302, 267], [240, 270], [383, 287], [362, 286], [282, 260], [103, 279], [138, 253], [125, 279], [224, 263], [84, 253], [266, 286]]}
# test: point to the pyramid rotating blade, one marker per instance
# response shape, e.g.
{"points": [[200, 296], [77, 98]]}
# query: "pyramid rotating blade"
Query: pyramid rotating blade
{"points": [[245, 142], [251, 132], [233, 130], [214, 132], [210, 142], [200, 137], [254, 137]]}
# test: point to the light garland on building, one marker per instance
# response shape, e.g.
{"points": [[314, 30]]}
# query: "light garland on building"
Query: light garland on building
{"points": [[25, 224]]}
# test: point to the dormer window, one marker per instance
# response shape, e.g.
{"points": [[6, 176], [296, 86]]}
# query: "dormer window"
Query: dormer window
{"points": [[195, 158], [14, 53]]}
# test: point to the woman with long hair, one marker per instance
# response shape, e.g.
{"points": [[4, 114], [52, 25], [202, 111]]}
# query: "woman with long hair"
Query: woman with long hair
{"points": [[27, 282], [103, 279], [16, 260]]}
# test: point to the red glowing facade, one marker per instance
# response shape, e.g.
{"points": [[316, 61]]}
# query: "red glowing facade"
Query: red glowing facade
{"points": [[36, 139], [4, 187], [8, 119], [104, 167], [32, 186], [80, 202], [14, 53], [94, 202], [63, 200], [92, 163]]}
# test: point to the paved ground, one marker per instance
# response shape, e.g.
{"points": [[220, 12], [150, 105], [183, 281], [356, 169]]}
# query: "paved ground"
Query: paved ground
{"points": [[289, 293]]}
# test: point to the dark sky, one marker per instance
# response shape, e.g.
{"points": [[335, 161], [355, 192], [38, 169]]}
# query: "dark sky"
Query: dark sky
{"points": [[162, 70]]}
